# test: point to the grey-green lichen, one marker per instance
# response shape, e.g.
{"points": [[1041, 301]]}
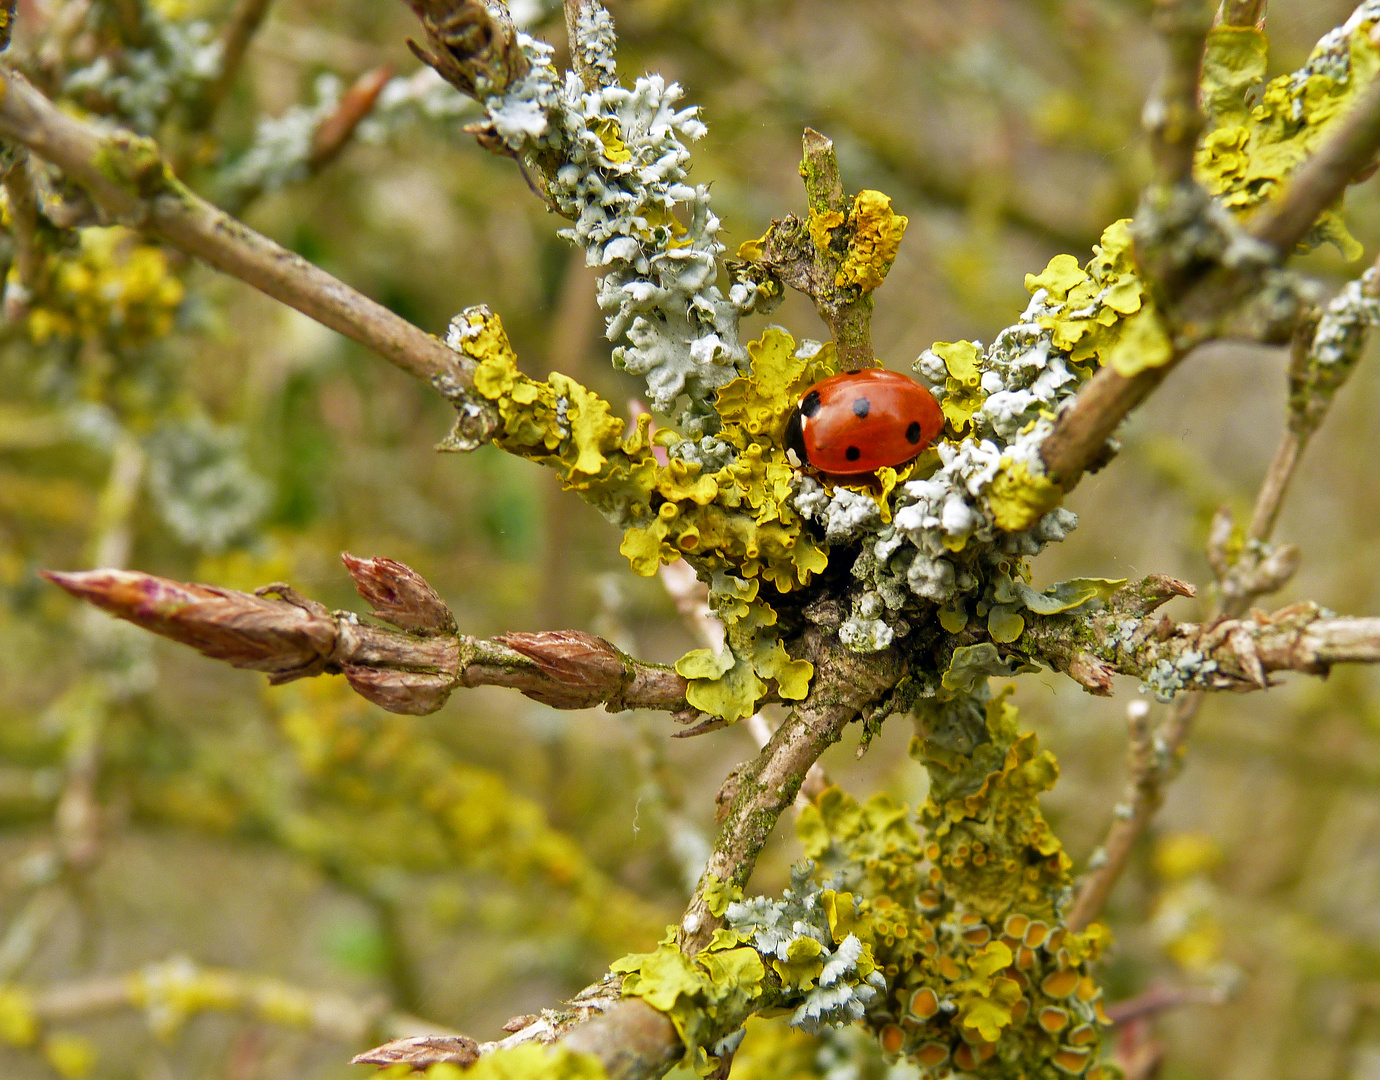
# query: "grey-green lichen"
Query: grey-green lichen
{"points": [[616, 163]]}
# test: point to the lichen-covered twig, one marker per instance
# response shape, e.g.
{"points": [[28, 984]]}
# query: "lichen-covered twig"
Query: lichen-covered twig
{"points": [[1236, 655], [845, 684], [1324, 353], [590, 31], [411, 670], [1197, 299], [170, 993], [130, 182]]}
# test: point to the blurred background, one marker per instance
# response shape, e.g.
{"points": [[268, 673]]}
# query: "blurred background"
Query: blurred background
{"points": [[204, 877]]}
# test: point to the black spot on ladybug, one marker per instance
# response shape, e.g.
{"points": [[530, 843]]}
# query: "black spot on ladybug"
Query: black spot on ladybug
{"points": [[861, 406], [809, 404], [852, 453], [913, 432]]}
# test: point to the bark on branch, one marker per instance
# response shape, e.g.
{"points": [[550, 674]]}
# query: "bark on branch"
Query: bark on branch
{"points": [[1236, 655], [412, 670]]}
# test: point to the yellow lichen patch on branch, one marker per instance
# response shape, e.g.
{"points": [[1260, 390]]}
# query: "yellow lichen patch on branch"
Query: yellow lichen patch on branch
{"points": [[1102, 313], [988, 836], [110, 288], [527, 1061], [963, 986], [963, 388], [1019, 498], [735, 523], [707, 996], [875, 232], [1251, 151]]}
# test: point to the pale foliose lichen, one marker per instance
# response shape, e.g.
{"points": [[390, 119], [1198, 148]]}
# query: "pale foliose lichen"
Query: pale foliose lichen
{"points": [[1342, 328], [834, 980], [202, 485], [618, 165]]}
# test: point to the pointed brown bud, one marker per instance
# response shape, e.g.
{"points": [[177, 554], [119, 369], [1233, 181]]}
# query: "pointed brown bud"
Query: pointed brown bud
{"points": [[285, 639], [587, 668], [411, 693], [422, 1051], [400, 595]]}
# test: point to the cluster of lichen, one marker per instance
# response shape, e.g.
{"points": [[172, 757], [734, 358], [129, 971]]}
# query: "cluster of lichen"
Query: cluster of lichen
{"points": [[1253, 149], [946, 943], [110, 287], [729, 515]]}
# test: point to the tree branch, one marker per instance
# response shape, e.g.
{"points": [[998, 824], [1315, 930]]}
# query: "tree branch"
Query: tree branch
{"points": [[186, 986], [1324, 353], [412, 670], [1236, 655], [1197, 302], [130, 182], [844, 685]]}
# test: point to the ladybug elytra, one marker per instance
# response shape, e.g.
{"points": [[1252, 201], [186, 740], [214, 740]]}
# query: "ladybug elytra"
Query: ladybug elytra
{"points": [[860, 421]]}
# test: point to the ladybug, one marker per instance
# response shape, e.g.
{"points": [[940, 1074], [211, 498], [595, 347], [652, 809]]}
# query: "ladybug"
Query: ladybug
{"points": [[860, 421]]}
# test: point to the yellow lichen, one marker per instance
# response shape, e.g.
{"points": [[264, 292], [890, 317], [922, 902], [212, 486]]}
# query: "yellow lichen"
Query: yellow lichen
{"points": [[1102, 312], [875, 232], [1019, 498], [111, 287], [1251, 152]]}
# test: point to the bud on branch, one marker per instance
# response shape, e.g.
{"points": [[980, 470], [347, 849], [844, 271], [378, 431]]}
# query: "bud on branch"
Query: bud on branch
{"points": [[411, 670]]}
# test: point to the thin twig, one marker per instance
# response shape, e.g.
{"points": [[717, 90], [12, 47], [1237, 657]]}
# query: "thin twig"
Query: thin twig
{"points": [[180, 980], [355, 104], [1172, 116], [1240, 585], [130, 183], [239, 31], [1160, 998]]}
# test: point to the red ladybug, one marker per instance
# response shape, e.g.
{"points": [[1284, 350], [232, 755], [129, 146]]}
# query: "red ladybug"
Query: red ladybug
{"points": [[860, 421]]}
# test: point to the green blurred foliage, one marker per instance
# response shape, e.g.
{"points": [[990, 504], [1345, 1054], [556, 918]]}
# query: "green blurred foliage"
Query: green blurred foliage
{"points": [[492, 858]]}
